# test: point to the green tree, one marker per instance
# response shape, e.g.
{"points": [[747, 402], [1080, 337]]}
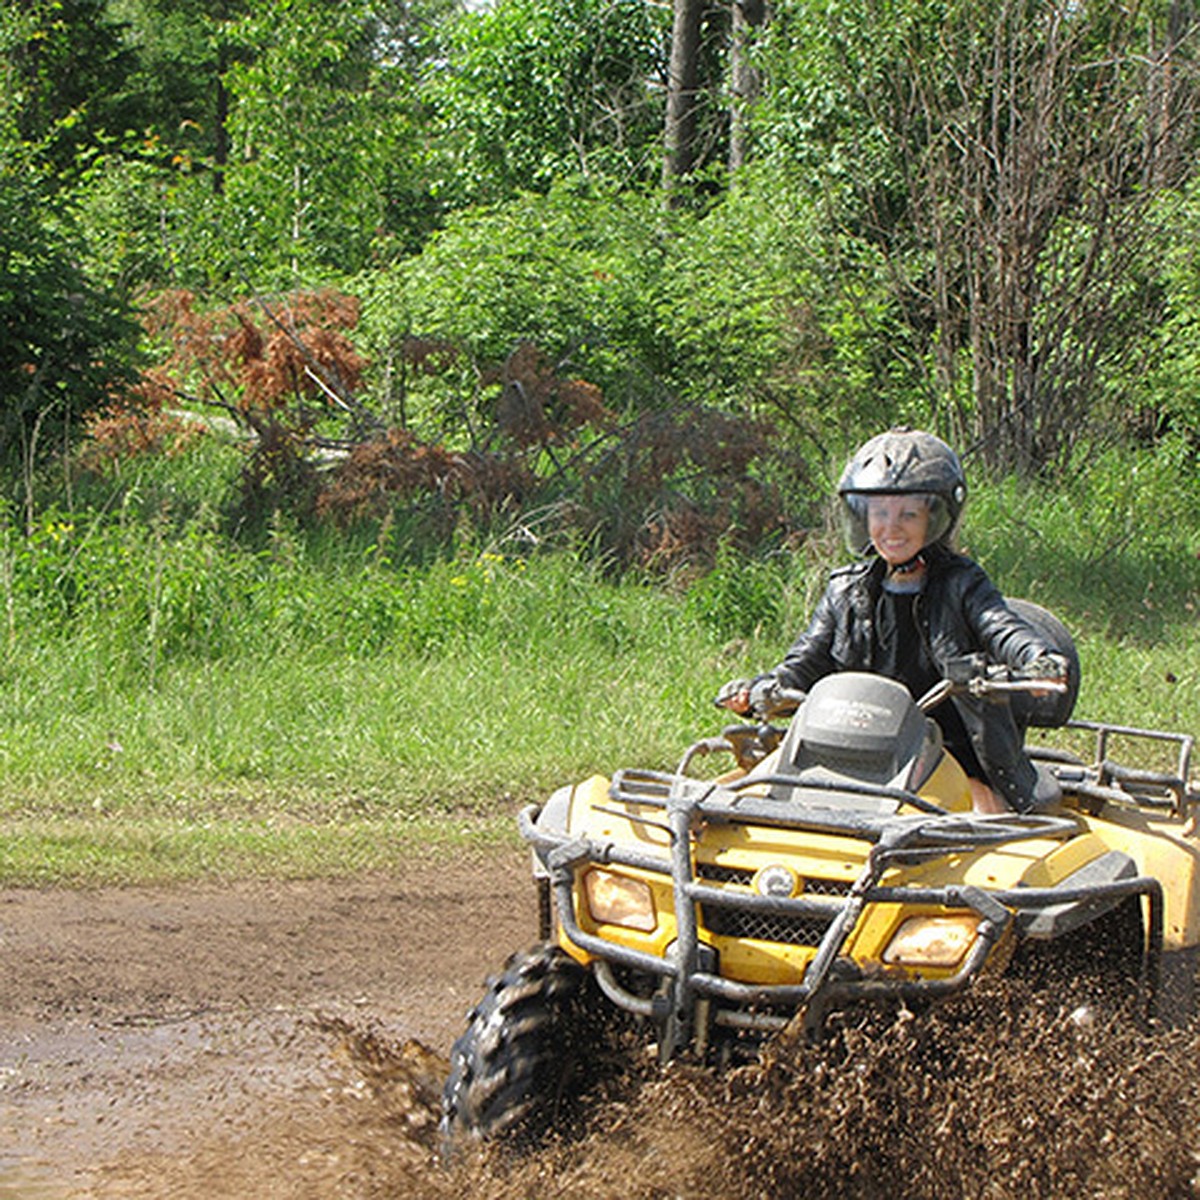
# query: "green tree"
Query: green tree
{"points": [[539, 90], [276, 140], [1006, 158], [66, 71], [64, 343], [328, 138], [769, 311], [184, 49]]}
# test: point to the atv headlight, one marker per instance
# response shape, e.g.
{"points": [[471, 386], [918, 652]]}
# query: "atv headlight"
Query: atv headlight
{"points": [[932, 941], [620, 900]]}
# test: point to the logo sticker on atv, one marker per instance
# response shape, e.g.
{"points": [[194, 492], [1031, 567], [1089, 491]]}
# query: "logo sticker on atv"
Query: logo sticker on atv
{"points": [[851, 714]]}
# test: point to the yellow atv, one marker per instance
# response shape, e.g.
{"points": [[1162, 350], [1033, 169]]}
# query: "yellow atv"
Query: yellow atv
{"points": [[839, 862]]}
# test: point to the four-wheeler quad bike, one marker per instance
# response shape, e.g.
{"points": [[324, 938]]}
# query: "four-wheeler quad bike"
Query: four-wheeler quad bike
{"points": [[839, 862]]}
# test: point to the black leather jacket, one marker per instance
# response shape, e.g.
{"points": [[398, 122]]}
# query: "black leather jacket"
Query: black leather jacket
{"points": [[960, 611]]}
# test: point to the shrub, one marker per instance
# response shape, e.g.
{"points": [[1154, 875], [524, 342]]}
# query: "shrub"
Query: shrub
{"points": [[539, 445]]}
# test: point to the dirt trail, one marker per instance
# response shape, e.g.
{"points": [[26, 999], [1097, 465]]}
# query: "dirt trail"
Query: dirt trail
{"points": [[149, 1035], [267, 1040]]}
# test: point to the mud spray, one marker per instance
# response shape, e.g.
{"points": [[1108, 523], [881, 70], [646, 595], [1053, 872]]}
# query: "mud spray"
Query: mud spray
{"points": [[1001, 1093], [1004, 1092]]}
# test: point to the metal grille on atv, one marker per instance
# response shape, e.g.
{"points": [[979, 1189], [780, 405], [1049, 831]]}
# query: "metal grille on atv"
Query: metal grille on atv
{"points": [[765, 927]]}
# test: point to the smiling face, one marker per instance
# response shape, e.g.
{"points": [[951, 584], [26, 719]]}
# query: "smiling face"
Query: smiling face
{"points": [[898, 526]]}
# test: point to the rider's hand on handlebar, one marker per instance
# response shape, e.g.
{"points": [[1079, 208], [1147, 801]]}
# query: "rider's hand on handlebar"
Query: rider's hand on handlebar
{"points": [[973, 675], [1050, 667], [735, 695], [1047, 666], [764, 696]]}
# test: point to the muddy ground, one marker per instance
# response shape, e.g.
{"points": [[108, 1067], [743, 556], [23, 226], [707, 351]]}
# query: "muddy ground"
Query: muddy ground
{"points": [[287, 1039]]}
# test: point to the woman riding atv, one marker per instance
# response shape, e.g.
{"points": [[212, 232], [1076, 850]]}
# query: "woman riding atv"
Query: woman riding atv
{"points": [[910, 606]]}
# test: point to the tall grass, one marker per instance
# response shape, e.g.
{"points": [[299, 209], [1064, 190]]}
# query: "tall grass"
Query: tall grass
{"points": [[424, 686], [1115, 551], [174, 703]]}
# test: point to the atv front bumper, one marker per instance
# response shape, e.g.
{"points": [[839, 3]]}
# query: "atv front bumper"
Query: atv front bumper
{"points": [[689, 974]]}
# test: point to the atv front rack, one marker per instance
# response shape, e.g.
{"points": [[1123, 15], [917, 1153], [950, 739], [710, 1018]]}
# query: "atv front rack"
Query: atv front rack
{"points": [[690, 973]]}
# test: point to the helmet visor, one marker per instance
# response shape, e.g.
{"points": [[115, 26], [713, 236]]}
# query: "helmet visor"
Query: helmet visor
{"points": [[863, 515]]}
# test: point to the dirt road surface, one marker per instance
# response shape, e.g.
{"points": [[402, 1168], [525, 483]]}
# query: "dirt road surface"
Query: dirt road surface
{"points": [[287, 1039], [200, 1040]]}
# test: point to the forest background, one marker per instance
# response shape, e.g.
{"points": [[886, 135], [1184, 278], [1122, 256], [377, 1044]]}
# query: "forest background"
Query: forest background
{"points": [[407, 405]]}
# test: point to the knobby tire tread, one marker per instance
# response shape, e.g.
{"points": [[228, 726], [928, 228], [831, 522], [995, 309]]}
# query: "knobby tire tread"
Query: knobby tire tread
{"points": [[504, 1068]]}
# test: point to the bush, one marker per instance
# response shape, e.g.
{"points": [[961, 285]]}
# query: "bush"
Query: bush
{"points": [[65, 344], [571, 272], [540, 446]]}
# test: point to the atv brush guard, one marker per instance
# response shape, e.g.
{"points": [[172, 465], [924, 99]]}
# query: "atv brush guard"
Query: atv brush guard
{"points": [[831, 978]]}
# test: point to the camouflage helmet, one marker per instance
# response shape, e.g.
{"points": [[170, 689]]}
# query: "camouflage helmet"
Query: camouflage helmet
{"points": [[902, 461]]}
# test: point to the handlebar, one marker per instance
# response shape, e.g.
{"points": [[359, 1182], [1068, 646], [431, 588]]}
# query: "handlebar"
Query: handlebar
{"points": [[998, 681], [966, 677]]}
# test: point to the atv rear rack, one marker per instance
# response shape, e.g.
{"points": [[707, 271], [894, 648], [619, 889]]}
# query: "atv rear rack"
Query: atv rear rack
{"points": [[1104, 780]]}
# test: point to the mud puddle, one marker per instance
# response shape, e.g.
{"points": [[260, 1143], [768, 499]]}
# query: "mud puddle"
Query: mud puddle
{"points": [[288, 1040]]}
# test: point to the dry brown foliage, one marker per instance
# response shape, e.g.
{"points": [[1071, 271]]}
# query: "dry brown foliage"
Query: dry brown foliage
{"points": [[537, 407], [138, 423], [659, 490], [259, 357], [429, 356]]}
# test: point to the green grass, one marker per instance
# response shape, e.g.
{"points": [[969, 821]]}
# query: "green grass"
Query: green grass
{"points": [[173, 705], [123, 848], [308, 753]]}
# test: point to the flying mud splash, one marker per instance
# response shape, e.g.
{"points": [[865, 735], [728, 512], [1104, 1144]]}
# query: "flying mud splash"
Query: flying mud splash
{"points": [[1000, 1093]]}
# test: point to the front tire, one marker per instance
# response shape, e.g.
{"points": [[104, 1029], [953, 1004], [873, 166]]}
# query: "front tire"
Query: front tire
{"points": [[510, 1069]]}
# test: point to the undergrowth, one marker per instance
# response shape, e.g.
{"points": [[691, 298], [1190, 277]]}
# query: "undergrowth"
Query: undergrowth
{"points": [[160, 673]]}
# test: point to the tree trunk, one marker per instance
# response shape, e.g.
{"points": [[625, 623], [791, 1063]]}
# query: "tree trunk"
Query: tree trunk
{"points": [[744, 83], [680, 132], [1166, 139], [221, 123]]}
